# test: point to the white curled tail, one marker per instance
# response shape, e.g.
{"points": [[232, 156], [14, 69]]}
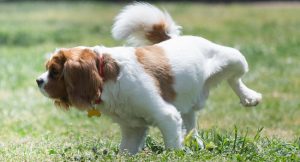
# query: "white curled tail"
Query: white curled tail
{"points": [[143, 24]]}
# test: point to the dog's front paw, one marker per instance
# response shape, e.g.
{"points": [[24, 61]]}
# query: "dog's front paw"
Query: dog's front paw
{"points": [[199, 142], [193, 140], [252, 98]]}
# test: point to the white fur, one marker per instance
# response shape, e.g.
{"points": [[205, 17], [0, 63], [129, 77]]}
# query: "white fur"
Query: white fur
{"points": [[44, 77], [137, 19], [197, 65]]}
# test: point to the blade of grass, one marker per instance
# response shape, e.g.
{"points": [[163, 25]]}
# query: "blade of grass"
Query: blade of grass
{"points": [[235, 138]]}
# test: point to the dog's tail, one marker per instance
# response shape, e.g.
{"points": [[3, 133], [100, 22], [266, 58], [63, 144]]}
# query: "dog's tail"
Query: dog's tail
{"points": [[143, 24]]}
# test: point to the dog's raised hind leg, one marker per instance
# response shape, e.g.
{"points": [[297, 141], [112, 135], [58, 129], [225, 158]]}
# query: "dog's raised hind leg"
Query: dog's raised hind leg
{"points": [[247, 96]]}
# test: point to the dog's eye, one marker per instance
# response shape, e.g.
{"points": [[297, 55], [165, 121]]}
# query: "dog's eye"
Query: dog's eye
{"points": [[53, 73]]}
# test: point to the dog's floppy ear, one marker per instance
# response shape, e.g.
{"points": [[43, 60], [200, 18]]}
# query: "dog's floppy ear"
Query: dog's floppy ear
{"points": [[82, 82]]}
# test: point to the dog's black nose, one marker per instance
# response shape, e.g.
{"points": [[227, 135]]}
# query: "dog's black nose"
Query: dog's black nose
{"points": [[40, 82]]}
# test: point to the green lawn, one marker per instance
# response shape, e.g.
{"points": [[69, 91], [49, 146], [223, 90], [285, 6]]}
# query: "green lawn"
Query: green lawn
{"points": [[32, 129]]}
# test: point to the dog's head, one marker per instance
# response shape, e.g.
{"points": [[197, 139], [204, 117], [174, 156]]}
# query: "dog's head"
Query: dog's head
{"points": [[72, 76]]}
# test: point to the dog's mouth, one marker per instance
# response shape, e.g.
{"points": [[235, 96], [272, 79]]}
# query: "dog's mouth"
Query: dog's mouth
{"points": [[43, 91]]}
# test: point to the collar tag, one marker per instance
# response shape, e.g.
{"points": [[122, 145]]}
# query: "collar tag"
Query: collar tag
{"points": [[94, 112]]}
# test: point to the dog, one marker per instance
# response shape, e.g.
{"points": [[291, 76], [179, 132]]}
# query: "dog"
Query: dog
{"points": [[160, 79]]}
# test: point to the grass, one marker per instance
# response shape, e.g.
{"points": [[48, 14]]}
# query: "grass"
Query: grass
{"points": [[31, 129]]}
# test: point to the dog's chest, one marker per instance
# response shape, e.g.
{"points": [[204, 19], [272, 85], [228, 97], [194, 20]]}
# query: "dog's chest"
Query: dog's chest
{"points": [[124, 115], [118, 104]]}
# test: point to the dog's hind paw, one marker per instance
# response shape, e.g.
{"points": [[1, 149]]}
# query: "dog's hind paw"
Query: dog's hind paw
{"points": [[252, 98]]}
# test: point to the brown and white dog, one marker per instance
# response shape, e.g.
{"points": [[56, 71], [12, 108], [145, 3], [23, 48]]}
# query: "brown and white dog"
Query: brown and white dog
{"points": [[162, 84]]}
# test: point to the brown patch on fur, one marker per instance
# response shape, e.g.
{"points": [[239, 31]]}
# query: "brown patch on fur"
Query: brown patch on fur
{"points": [[82, 80], [158, 33], [74, 78], [157, 66], [62, 104], [76, 81], [56, 87], [111, 69]]}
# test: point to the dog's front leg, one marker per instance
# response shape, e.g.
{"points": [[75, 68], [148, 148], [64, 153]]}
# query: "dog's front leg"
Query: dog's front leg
{"points": [[133, 139], [190, 125], [169, 122]]}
